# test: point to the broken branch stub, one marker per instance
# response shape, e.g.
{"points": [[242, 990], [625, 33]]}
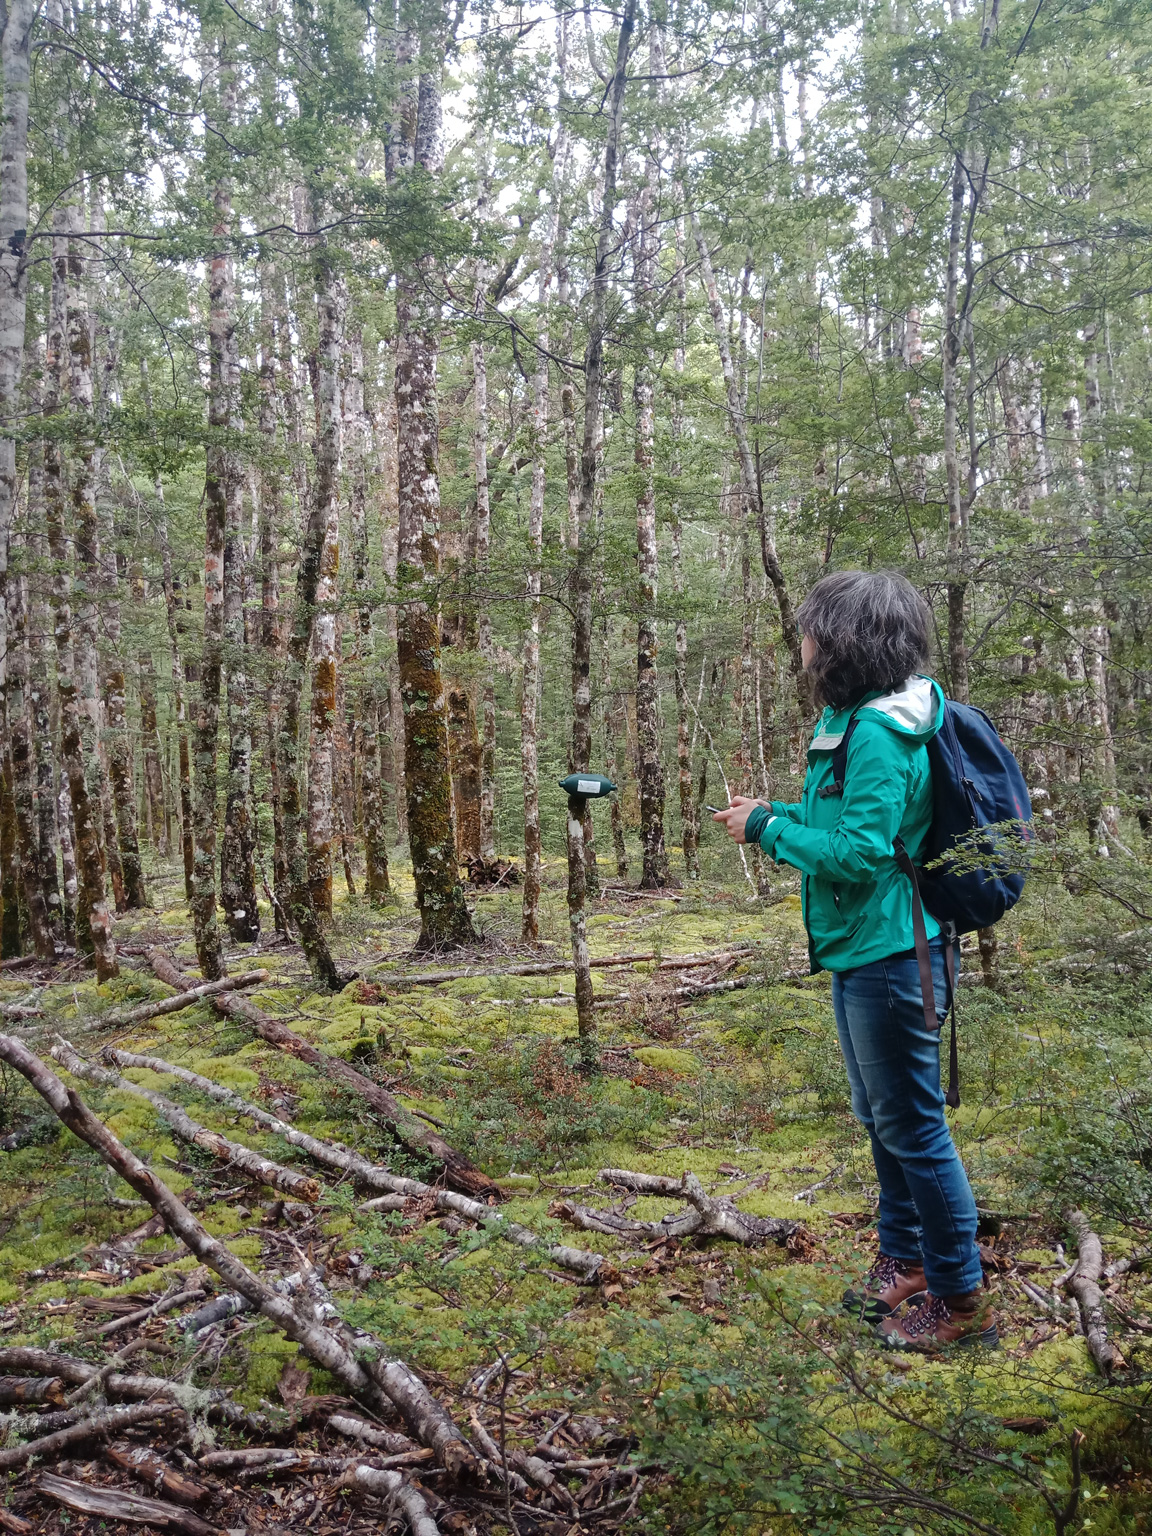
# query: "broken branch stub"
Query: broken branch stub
{"points": [[415, 1135]]}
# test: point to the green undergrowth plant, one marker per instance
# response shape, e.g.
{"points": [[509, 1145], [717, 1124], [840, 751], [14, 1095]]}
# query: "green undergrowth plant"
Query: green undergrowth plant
{"points": [[528, 1105], [787, 1421]]}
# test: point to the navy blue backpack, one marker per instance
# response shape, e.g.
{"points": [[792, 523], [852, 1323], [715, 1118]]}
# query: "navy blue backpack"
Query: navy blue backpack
{"points": [[976, 783]]}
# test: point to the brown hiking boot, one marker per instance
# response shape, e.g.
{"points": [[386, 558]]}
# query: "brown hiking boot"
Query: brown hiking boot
{"points": [[939, 1321], [887, 1285]]}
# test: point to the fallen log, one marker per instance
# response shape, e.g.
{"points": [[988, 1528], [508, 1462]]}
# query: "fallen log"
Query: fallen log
{"points": [[377, 1382], [18, 1390], [110, 1422], [118, 1504], [390, 1485], [18, 1011], [415, 1135], [143, 1463], [1084, 1284], [707, 1216], [120, 1018], [343, 1160], [13, 1523], [298, 1185]]}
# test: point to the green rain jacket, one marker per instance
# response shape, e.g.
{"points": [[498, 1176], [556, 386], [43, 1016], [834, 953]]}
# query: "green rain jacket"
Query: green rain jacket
{"points": [[857, 903]]}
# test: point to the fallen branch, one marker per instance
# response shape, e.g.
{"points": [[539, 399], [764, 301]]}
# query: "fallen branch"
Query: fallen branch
{"points": [[298, 1185], [43, 1362], [458, 1170], [391, 1485], [13, 1523], [152, 1470], [343, 1160], [110, 1422], [17, 1011], [118, 1504], [557, 967], [378, 1382], [708, 1216], [370, 1434], [157, 1309], [120, 1018], [1084, 1284]]}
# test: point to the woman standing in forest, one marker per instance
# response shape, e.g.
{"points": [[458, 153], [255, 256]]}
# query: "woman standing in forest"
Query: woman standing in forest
{"points": [[865, 645]]}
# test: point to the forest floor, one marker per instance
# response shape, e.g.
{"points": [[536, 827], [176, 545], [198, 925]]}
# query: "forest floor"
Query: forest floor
{"points": [[700, 1385]]}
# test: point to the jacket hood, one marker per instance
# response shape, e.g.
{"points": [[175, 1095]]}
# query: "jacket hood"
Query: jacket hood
{"points": [[915, 709]]}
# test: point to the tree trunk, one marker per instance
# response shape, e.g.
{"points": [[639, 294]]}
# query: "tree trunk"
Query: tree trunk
{"points": [[18, 735], [93, 921], [321, 764], [615, 750], [118, 743], [77, 732], [689, 828], [586, 535], [15, 55], [654, 874], [219, 480], [486, 809], [43, 737], [957, 586], [444, 918], [238, 846], [530, 677], [377, 884], [301, 911], [271, 516], [392, 706]]}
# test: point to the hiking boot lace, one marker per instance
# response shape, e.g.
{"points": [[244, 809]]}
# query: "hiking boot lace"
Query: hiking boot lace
{"points": [[885, 1272], [927, 1317]]}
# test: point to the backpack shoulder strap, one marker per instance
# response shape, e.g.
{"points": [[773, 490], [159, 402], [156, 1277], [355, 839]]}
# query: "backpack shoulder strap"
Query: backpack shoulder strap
{"points": [[924, 965], [840, 760]]}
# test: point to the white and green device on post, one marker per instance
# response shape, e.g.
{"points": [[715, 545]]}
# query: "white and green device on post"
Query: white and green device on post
{"points": [[580, 788], [587, 786]]}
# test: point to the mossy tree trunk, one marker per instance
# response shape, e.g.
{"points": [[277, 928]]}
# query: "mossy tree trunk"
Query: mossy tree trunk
{"points": [[301, 912], [220, 471], [444, 917]]}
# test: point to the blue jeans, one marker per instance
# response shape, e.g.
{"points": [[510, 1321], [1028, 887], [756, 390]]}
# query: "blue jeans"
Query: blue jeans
{"points": [[926, 1207]]}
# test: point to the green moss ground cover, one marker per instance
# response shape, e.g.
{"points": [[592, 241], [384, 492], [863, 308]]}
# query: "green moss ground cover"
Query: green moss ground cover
{"points": [[758, 1405]]}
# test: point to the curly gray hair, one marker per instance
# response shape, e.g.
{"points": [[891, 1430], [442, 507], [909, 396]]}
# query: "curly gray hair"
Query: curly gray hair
{"points": [[870, 630]]}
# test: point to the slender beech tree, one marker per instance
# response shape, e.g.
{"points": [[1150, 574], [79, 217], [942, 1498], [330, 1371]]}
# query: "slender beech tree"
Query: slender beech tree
{"points": [[589, 465], [376, 878], [444, 918], [654, 873]]}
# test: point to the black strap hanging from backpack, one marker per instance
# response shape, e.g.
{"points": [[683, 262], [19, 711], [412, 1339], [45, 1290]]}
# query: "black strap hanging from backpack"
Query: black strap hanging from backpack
{"points": [[924, 963], [919, 927]]}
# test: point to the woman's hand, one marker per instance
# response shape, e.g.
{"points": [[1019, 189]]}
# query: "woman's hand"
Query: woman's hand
{"points": [[735, 818]]}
